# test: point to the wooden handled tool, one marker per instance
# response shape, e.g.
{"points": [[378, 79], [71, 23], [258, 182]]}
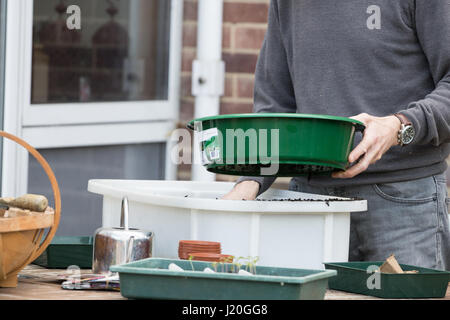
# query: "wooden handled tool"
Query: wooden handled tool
{"points": [[33, 202]]}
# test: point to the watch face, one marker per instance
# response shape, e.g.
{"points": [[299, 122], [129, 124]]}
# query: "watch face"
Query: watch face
{"points": [[408, 134]]}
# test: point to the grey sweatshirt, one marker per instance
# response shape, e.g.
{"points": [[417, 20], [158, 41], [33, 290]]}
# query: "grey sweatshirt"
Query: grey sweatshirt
{"points": [[352, 56]]}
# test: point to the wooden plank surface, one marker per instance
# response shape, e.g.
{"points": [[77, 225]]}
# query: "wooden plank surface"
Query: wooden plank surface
{"points": [[340, 295], [37, 283], [31, 221]]}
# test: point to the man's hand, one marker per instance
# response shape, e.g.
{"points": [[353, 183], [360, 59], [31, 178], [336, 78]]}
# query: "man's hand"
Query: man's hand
{"points": [[379, 136], [245, 190]]}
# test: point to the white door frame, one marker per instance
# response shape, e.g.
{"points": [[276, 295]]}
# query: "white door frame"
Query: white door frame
{"points": [[72, 125]]}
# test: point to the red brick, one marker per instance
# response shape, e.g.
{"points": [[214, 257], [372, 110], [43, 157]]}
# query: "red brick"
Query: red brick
{"points": [[240, 62], [186, 84], [186, 111], [249, 38], [226, 37], [190, 10], [245, 12], [187, 57], [235, 107], [245, 87], [229, 86], [189, 35]]}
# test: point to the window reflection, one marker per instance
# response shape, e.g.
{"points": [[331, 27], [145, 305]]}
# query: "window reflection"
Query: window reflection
{"points": [[121, 52]]}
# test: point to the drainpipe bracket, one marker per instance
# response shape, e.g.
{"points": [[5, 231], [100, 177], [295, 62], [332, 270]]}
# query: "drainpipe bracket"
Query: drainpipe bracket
{"points": [[208, 78]]}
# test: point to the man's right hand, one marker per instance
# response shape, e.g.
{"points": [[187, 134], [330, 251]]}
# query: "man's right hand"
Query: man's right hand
{"points": [[245, 190]]}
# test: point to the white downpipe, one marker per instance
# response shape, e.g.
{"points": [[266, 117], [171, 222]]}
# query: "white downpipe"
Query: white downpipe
{"points": [[208, 73], [17, 51], [176, 24]]}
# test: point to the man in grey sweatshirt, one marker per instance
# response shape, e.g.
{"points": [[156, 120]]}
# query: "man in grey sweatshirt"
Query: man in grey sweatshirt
{"points": [[387, 64]]}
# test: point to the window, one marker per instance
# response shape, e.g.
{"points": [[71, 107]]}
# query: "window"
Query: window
{"points": [[108, 89], [74, 167], [120, 52], [120, 64]]}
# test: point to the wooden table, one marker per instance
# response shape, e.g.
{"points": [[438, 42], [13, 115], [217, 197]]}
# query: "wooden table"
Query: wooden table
{"points": [[37, 283]]}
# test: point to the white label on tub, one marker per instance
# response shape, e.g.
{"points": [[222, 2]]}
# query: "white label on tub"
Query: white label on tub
{"points": [[214, 154], [208, 134], [210, 149]]}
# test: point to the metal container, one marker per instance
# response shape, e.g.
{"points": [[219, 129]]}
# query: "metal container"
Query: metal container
{"points": [[114, 246], [301, 144]]}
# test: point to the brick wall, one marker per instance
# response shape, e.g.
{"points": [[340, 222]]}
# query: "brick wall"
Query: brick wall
{"points": [[244, 27]]}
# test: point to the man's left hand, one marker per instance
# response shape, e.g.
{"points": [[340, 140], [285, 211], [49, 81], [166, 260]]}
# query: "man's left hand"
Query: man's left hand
{"points": [[379, 136]]}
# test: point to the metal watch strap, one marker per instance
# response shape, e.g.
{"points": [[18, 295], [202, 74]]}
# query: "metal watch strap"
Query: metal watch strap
{"points": [[404, 122]]}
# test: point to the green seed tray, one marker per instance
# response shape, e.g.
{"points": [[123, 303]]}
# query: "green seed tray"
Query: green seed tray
{"points": [[151, 279], [67, 251], [354, 277]]}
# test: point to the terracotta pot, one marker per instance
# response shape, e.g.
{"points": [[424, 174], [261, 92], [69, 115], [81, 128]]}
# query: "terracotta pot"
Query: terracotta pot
{"points": [[187, 246], [199, 243]]}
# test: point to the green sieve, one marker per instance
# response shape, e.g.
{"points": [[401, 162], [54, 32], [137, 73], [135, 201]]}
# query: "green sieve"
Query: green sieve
{"points": [[275, 144]]}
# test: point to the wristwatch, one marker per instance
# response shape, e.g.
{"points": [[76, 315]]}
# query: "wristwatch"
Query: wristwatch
{"points": [[406, 133]]}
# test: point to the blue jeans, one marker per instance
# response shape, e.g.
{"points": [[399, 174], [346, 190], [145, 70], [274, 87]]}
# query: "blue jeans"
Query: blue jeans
{"points": [[408, 219]]}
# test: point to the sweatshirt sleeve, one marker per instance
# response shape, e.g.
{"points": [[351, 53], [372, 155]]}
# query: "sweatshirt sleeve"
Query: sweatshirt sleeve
{"points": [[274, 91], [431, 115]]}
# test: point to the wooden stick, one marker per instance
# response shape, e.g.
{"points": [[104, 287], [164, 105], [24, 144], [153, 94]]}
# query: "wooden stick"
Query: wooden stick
{"points": [[33, 202], [391, 265]]}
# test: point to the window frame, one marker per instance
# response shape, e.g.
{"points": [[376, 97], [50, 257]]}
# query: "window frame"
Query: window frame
{"points": [[76, 125], [43, 118]]}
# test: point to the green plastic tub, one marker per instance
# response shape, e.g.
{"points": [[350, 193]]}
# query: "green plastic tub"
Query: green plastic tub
{"points": [[300, 144], [353, 277], [151, 279], [67, 251]]}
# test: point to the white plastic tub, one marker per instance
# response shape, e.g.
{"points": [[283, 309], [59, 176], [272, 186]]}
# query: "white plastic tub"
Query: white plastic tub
{"points": [[281, 233]]}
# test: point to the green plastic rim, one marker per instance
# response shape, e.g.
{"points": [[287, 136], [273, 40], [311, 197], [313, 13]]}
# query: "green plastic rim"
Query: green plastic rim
{"points": [[190, 125], [325, 142]]}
